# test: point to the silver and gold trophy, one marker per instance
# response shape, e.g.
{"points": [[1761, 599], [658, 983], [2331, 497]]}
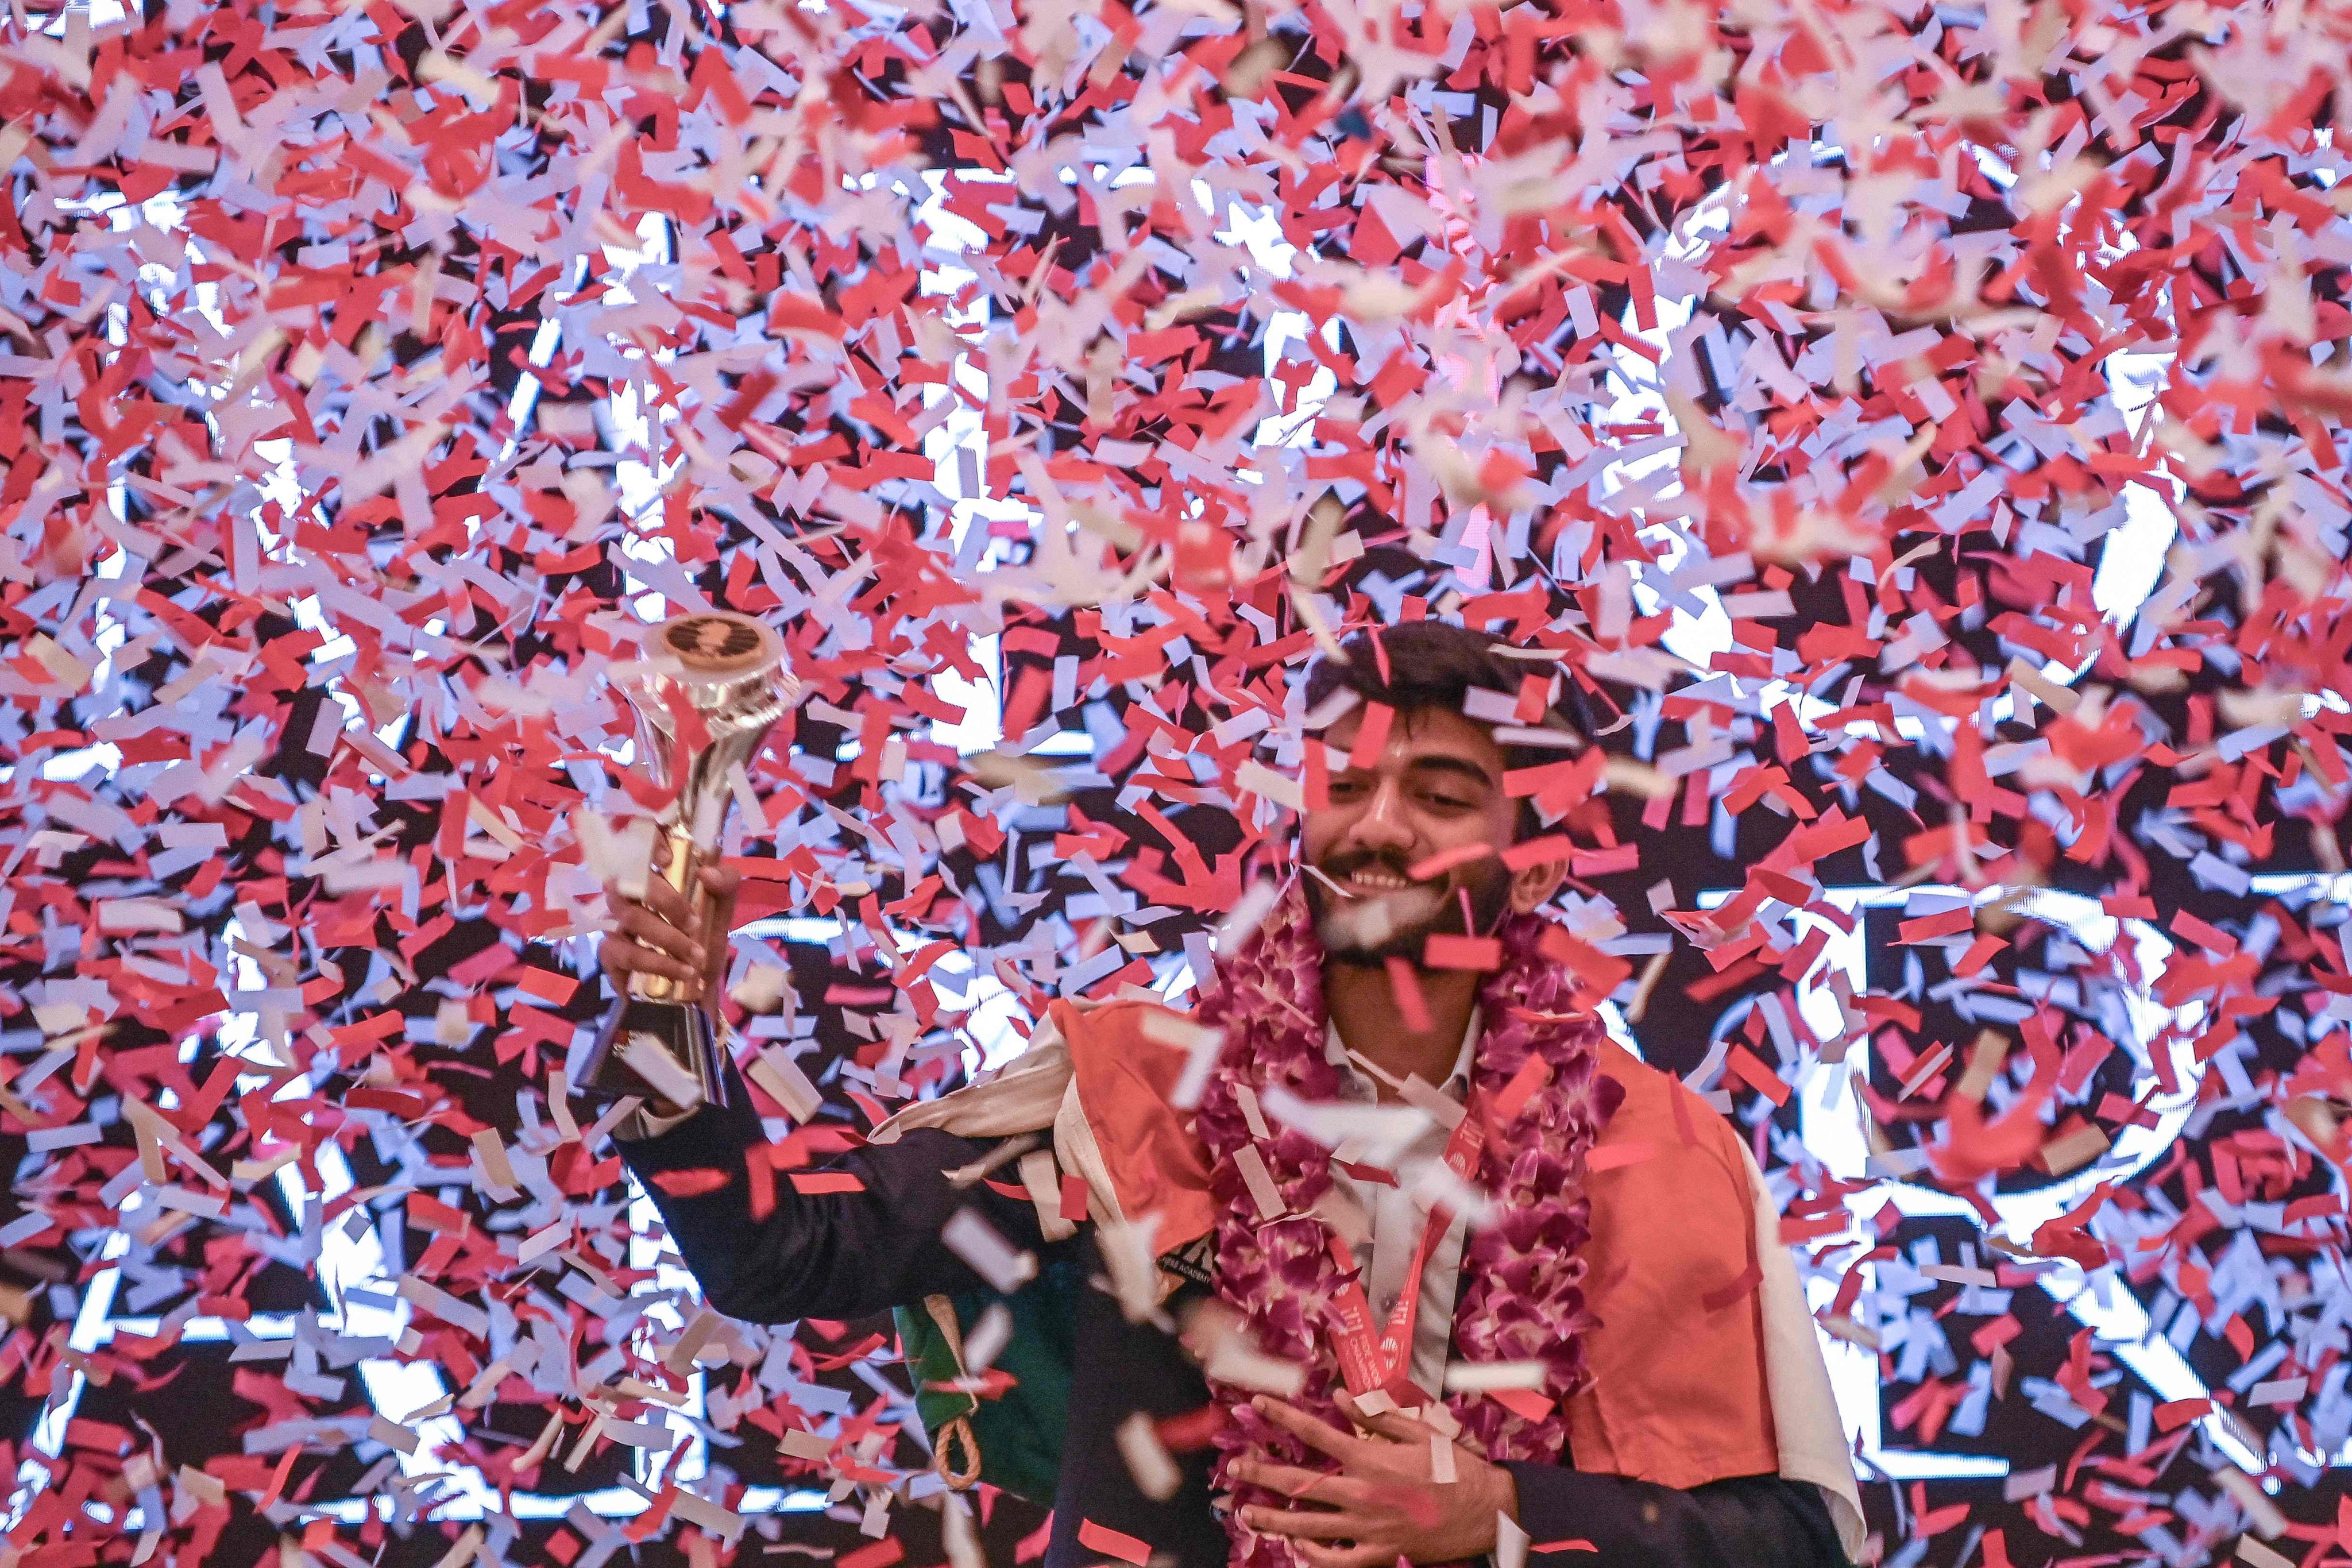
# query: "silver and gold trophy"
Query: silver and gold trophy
{"points": [[661, 1042]]}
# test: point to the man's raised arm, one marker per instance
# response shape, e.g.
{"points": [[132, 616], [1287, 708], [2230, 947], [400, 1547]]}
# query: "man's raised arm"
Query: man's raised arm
{"points": [[873, 1242], [872, 1239]]}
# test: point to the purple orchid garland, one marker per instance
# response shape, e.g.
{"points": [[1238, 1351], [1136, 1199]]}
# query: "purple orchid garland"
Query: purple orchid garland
{"points": [[1523, 1296]]}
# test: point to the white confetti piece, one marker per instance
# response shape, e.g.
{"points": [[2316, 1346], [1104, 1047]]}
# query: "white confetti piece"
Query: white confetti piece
{"points": [[1005, 1267], [1148, 1460], [785, 1083], [1262, 1190]]}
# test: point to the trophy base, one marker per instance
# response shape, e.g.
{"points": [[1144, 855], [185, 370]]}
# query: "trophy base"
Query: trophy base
{"points": [[662, 1052]]}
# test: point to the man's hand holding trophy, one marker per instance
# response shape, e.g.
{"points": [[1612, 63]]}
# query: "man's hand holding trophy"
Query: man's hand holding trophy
{"points": [[711, 686]]}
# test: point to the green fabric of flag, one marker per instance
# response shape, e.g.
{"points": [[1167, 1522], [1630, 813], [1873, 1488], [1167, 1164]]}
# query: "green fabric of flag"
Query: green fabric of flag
{"points": [[1019, 1433]]}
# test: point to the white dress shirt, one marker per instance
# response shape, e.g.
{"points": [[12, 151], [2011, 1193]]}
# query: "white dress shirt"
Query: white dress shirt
{"points": [[1397, 1216]]}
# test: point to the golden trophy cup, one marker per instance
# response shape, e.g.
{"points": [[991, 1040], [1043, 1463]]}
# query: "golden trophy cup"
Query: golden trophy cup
{"points": [[661, 1041]]}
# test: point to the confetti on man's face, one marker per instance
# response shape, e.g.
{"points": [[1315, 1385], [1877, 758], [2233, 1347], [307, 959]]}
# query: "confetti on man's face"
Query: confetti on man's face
{"points": [[1437, 786]]}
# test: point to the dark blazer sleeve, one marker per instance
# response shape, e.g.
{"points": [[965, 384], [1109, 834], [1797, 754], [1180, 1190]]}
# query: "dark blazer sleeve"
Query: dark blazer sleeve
{"points": [[830, 1255], [1753, 1521]]}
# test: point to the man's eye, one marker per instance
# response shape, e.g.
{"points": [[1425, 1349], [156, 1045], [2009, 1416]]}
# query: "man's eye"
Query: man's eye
{"points": [[1448, 803], [1350, 787]]}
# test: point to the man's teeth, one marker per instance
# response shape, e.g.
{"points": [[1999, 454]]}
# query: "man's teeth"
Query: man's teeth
{"points": [[1385, 881]]}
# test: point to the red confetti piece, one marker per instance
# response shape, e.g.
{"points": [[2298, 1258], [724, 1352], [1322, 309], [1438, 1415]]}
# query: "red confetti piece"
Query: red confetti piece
{"points": [[1193, 1430], [1532, 1075], [1716, 1300], [1479, 953], [2177, 1413], [689, 1183], [1763, 1079], [1544, 850], [1411, 1004], [1371, 736], [1434, 866], [1113, 1543], [879, 1554], [817, 1183], [1524, 1403]]}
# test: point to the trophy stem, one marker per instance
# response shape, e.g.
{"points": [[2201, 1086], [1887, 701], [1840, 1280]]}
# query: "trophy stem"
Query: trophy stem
{"points": [[662, 1042], [683, 875]]}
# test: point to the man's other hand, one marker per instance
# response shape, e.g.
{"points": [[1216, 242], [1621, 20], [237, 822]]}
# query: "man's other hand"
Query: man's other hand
{"points": [[1387, 1500], [658, 936]]}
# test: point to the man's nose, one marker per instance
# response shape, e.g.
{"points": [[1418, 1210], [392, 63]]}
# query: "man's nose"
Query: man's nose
{"points": [[1384, 824]]}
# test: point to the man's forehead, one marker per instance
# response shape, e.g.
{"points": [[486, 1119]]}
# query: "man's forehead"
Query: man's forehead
{"points": [[1421, 734]]}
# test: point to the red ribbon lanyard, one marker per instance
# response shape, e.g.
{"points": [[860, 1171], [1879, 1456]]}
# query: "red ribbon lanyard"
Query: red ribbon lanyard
{"points": [[1367, 1360]]}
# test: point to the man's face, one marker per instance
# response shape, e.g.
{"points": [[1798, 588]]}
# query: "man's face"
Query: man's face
{"points": [[1437, 786]]}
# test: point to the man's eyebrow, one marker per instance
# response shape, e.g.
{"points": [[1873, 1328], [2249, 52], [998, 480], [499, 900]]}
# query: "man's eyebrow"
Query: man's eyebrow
{"points": [[1461, 765], [1452, 765]]}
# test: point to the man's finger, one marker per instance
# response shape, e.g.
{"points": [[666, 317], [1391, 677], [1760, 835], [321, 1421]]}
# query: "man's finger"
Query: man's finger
{"points": [[624, 956], [1315, 1555], [1398, 1423], [1395, 1426], [630, 917], [635, 958], [1304, 1524], [653, 935], [665, 902], [1307, 1429], [620, 904], [621, 957], [1304, 1485]]}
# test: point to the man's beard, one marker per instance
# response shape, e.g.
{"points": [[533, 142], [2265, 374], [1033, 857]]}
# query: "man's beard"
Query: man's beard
{"points": [[1370, 928]]}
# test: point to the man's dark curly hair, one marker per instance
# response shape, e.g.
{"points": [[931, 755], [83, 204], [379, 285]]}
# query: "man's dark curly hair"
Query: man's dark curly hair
{"points": [[1432, 665]]}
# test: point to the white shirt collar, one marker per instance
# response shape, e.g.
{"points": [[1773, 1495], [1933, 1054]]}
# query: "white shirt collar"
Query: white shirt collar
{"points": [[1458, 1082]]}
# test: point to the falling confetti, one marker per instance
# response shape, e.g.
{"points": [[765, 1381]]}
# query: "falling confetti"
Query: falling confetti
{"points": [[1912, 437]]}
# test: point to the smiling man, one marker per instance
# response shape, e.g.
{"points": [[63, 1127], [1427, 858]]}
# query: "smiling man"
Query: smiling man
{"points": [[1409, 847], [1448, 793], [1421, 1266]]}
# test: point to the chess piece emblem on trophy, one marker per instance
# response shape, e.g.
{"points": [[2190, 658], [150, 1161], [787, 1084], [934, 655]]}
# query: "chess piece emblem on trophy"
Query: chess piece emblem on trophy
{"points": [[728, 675]]}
